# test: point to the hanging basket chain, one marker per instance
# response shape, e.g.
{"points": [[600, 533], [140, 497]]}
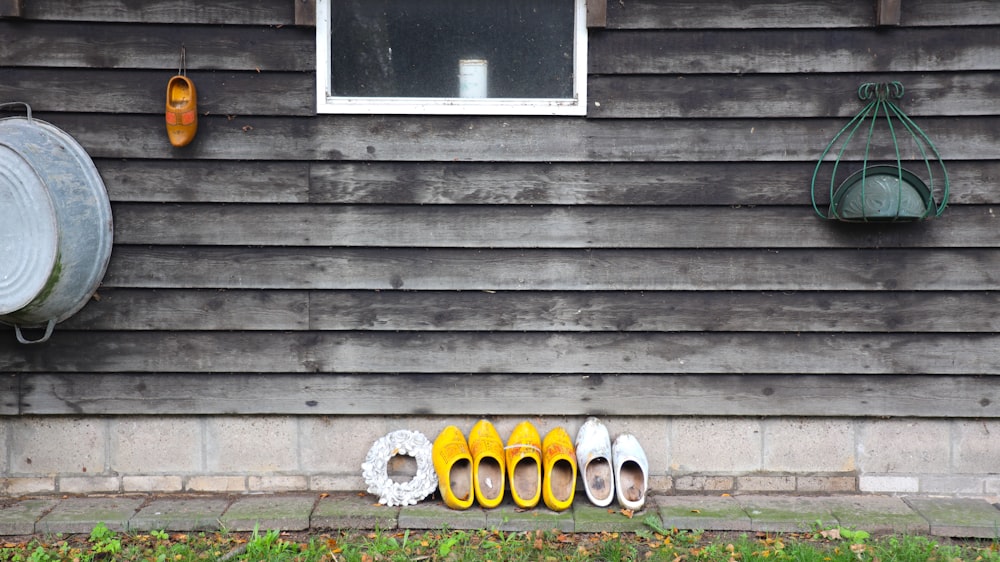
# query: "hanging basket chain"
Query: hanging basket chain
{"points": [[879, 98]]}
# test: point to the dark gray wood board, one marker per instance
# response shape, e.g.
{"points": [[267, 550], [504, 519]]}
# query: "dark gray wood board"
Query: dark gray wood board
{"points": [[496, 395]]}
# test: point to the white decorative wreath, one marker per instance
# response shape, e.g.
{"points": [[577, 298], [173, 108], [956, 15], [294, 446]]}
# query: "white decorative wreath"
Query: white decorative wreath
{"points": [[376, 466]]}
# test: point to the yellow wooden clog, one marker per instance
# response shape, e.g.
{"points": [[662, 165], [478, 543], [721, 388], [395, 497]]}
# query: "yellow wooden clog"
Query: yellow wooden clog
{"points": [[524, 465], [453, 464], [487, 464], [558, 470], [181, 110]]}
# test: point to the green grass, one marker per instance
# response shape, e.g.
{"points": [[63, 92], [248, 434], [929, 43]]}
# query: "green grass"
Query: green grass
{"points": [[654, 544]]}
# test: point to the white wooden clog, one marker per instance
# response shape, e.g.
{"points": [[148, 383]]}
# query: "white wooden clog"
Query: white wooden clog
{"points": [[593, 456], [631, 471]]}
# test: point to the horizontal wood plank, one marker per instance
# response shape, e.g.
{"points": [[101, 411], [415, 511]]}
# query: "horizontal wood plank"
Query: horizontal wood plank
{"points": [[475, 183], [481, 226], [157, 46], [199, 182], [546, 311], [777, 96], [9, 394], [528, 353], [764, 51], [520, 270], [143, 91], [646, 183], [137, 309], [234, 12], [525, 139], [630, 14], [557, 395], [781, 14]]}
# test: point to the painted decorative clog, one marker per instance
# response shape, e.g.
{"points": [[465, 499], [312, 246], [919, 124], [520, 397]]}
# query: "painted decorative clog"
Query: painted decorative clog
{"points": [[631, 471], [487, 464], [558, 470], [523, 456], [593, 453], [453, 465], [182, 110]]}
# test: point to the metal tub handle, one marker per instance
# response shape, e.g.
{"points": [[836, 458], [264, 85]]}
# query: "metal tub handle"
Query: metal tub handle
{"points": [[48, 333]]}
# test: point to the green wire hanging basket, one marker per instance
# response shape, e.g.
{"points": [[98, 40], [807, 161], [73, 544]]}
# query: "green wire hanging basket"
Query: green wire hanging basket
{"points": [[881, 189]]}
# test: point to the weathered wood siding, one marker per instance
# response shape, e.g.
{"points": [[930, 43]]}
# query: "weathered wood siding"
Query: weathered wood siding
{"points": [[659, 257]]}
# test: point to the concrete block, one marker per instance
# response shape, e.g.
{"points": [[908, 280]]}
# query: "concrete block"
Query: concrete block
{"points": [[20, 518], [888, 484], [222, 484], [337, 482], [721, 445], [784, 514], [876, 514], [588, 518], [278, 483], [436, 515], [22, 486], [808, 445], [251, 444], [976, 446], [508, 517], [706, 513], [954, 485], [694, 483], [160, 445], [57, 445], [958, 517], [180, 514], [353, 511], [4, 432], [152, 484], [270, 512], [746, 484], [339, 444], [89, 484], [81, 515], [904, 446], [827, 484]]}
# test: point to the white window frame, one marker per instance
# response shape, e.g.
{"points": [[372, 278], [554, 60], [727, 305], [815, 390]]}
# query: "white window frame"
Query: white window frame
{"points": [[326, 103]]}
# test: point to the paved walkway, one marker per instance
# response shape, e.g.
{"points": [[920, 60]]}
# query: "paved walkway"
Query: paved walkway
{"points": [[946, 517]]}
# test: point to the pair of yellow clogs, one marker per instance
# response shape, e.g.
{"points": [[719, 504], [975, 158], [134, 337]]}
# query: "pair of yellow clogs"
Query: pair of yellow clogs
{"points": [[476, 469]]}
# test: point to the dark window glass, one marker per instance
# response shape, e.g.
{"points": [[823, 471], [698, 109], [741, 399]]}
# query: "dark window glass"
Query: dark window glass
{"points": [[419, 48]]}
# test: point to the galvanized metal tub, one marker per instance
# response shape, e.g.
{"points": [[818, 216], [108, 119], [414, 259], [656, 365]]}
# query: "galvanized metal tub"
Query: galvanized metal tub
{"points": [[55, 225]]}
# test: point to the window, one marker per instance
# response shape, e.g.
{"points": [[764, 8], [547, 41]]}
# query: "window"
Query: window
{"points": [[499, 57]]}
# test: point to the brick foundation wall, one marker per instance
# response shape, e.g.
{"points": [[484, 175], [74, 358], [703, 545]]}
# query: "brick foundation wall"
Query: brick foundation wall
{"points": [[243, 454]]}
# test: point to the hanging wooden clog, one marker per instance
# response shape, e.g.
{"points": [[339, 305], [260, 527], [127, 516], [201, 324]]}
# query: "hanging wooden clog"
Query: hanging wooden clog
{"points": [[182, 106]]}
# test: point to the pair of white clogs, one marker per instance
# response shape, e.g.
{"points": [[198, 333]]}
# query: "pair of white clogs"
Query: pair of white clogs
{"points": [[607, 468]]}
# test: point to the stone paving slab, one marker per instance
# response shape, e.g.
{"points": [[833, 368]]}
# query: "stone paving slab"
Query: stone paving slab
{"points": [[81, 515], [876, 514], [705, 513], [509, 517], [353, 511], [19, 519], [784, 514], [181, 514], [950, 517], [959, 517], [589, 518], [269, 512], [436, 515]]}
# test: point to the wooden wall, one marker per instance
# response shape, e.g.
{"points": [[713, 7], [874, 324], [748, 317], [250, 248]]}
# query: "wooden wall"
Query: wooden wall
{"points": [[659, 257]]}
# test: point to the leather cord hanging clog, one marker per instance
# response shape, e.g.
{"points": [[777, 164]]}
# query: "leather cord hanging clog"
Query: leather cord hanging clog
{"points": [[181, 106]]}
